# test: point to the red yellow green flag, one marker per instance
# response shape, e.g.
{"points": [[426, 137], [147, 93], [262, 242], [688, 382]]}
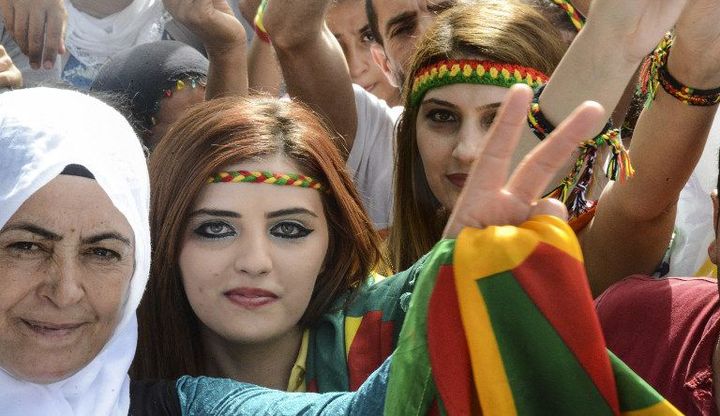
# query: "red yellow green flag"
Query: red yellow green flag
{"points": [[504, 322]]}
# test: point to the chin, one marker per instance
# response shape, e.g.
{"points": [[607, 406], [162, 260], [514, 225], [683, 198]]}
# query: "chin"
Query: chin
{"points": [[44, 375]]}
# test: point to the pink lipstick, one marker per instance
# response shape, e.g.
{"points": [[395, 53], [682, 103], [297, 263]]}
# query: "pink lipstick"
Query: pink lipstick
{"points": [[251, 298]]}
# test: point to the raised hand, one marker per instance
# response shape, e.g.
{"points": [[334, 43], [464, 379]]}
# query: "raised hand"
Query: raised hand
{"points": [[213, 21], [634, 27], [489, 197], [10, 76], [38, 27]]}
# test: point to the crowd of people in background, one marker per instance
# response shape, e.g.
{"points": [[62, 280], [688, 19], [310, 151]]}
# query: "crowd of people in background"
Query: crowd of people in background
{"points": [[362, 207]]}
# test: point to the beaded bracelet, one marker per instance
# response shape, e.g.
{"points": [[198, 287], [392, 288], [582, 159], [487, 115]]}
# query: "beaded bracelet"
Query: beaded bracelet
{"points": [[655, 74], [573, 189], [258, 23]]}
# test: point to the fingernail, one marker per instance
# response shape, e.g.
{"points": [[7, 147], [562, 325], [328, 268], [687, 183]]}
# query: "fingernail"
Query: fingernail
{"points": [[49, 65]]}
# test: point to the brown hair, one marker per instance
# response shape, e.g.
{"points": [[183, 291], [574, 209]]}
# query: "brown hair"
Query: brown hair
{"points": [[210, 136], [503, 31]]}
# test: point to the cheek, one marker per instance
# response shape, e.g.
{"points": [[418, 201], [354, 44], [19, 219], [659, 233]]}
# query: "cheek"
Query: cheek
{"points": [[435, 152], [17, 283], [108, 294], [200, 269]]}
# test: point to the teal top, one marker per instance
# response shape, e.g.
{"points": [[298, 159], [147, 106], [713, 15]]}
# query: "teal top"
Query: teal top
{"points": [[215, 396]]}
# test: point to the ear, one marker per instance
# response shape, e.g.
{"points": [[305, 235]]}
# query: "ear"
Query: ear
{"points": [[712, 249], [379, 57]]}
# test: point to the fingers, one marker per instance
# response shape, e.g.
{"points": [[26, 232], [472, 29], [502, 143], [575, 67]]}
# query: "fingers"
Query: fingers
{"points": [[549, 206], [537, 169], [36, 37], [8, 12], [20, 29], [54, 37], [493, 163]]}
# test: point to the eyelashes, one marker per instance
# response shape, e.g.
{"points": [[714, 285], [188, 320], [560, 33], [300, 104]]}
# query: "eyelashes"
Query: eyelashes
{"points": [[216, 230]]}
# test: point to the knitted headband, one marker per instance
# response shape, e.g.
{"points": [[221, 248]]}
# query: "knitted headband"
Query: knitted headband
{"points": [[246, 176], [575, 17], [468, 71]]}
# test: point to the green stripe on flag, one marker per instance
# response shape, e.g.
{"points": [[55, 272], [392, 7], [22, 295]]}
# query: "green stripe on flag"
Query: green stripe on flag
{"points": [[634, 392], [411, 388], [544, 376]]}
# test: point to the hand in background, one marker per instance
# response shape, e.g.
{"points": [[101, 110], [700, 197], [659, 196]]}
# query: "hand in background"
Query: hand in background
{"points": [[10, 76], [38, 27]]}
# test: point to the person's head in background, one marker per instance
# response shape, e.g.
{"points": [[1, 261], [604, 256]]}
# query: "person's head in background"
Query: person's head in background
{"points": [[398, 25], [240, 266], [159, 80], [347, 20], [440, 132]]}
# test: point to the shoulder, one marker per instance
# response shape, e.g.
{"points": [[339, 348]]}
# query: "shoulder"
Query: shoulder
{"points": [[156, 397], [666, 330]]}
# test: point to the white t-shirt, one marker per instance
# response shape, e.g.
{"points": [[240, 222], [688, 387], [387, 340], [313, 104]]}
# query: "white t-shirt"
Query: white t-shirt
{"points": [[371, 158]]}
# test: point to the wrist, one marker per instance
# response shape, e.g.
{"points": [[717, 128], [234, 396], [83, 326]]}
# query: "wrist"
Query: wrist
{"points": [[693, 66]]}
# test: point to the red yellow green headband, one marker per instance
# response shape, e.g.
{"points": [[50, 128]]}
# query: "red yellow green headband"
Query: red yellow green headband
{"points": [[466, 71], [246, 176], [575, 17]]}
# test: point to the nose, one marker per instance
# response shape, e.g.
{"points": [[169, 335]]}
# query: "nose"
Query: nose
{"points": [[254, 256], [357, 62], [469, 139], [64, 286]]}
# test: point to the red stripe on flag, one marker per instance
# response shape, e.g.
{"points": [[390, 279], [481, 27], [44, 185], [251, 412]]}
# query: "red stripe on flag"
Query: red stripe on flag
{"points": [[372, 344], [446, 338], [557, 284]]}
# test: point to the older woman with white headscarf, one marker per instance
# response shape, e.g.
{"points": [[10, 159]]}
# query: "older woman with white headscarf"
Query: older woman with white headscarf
{"points": [[75, 253]]}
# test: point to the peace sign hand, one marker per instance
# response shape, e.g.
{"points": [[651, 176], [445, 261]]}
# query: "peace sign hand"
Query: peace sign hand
{"points": [[489, 198]]}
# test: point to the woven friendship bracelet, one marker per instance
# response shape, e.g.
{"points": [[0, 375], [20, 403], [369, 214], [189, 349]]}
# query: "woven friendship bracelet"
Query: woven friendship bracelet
{"points": [[448, 72], [573, 189], [575, 17], [655, 74], [258, 23], [246, 176]]}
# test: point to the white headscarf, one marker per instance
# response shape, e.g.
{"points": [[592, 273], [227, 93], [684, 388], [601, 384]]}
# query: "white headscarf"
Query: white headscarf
{"points": [[43, 130], [92, 41]]}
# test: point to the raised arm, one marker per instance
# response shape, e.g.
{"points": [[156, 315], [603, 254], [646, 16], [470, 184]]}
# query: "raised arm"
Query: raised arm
{"points": [[214, 22], [635, 219], [623, 238], [312, 62]]}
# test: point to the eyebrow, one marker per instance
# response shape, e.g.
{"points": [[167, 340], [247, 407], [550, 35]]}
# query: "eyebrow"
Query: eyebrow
{"points": [[49, 235], [106, 236], [444, 103], [364, 29], [404, 17], [290, 211], [215, 213], [34, 229]]}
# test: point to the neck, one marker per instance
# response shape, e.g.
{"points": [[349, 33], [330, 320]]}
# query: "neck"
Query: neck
{"points": [[266, 364], [101, 8]]}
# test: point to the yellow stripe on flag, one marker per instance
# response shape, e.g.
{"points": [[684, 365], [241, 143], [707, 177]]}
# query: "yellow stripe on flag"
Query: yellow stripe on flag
{"points": [[352, 324], [663, 408], [491, 381], [555, 232]]}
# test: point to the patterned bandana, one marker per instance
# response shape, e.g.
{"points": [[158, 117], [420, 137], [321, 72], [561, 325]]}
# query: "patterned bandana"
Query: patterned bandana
{"points": [[469, 71]]}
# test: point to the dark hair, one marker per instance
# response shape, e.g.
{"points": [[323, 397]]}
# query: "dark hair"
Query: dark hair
{"points": [[211, 136], [373, 21]]}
